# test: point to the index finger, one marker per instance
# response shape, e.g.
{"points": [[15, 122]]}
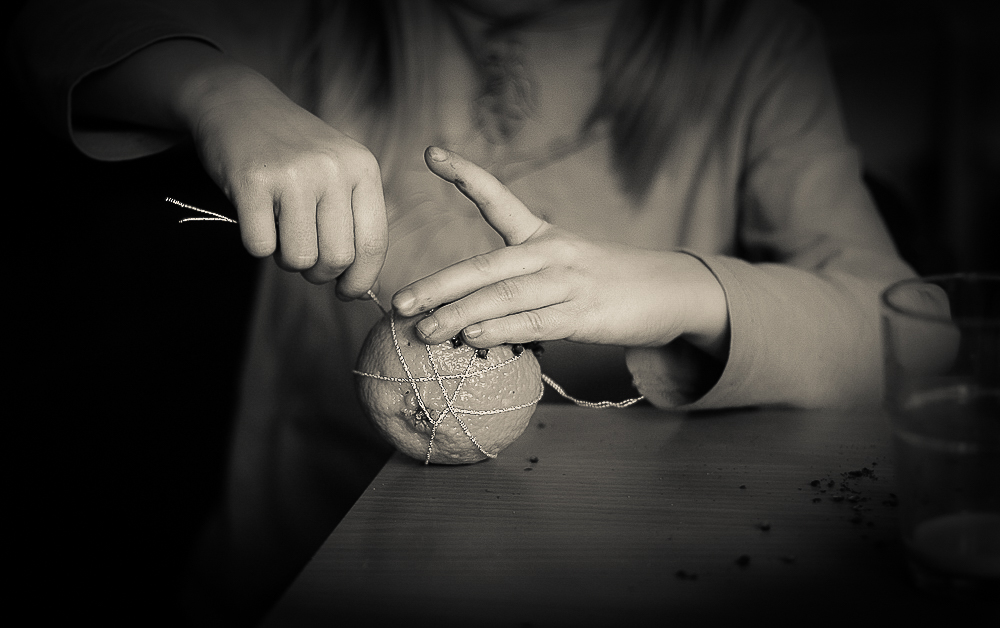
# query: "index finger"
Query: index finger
{"points": [[502, 210], [463, 278]]}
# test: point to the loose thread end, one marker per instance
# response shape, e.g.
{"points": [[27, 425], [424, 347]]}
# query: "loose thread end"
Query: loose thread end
{"points": [[589, 404], [214, 216]]}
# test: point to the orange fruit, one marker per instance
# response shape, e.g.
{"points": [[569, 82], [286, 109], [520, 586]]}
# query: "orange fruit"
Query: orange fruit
{"points": [[448, 403]]}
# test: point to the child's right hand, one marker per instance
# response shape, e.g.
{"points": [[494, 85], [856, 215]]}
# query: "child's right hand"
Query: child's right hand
{"points": [[304, 192]]}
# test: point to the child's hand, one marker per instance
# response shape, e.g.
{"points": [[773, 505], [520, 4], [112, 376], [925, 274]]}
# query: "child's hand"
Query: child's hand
{"points": [[549, 284], [304, 192]]}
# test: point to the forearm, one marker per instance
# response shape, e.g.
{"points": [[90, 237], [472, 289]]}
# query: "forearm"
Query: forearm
{"points": [[707, 326]]}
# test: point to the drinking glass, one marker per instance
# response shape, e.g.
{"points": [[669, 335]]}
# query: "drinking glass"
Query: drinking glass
{"points": [[941, 337]]}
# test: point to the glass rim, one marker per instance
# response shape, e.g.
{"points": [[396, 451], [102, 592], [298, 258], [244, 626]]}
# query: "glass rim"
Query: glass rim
{"points": [[969, 277]]}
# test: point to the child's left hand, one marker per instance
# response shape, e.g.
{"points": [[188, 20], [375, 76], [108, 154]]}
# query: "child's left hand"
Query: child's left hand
{"points": [[550, 284]]}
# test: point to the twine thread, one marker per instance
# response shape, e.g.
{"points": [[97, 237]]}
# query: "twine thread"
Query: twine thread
{"points": [[449, 400], [213, 217], [438, 377]]}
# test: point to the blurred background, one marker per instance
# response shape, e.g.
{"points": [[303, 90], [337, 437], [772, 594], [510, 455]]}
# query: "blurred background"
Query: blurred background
{"points": [[920, 88], [128, 327]]}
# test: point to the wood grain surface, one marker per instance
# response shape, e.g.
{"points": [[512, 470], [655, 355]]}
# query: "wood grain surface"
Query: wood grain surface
{"points": [[631, 517]]}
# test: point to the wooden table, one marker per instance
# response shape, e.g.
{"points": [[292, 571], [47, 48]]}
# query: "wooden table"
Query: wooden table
{"points": [[630, 517]]}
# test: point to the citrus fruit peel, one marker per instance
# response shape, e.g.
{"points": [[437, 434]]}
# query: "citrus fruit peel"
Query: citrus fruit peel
{"points": [[448, 403]]}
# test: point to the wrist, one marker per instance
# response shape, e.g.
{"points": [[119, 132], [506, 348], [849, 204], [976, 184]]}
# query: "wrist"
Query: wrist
{"points": [[157, 86], [707, 313], [213, 80]]}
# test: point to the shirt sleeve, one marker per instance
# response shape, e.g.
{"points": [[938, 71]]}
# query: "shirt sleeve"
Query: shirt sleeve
{"points": [[55, 44], [803, 296]]}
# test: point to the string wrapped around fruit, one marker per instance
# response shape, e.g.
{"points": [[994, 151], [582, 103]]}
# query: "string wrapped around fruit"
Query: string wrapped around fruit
{"points": [[447, 403]]}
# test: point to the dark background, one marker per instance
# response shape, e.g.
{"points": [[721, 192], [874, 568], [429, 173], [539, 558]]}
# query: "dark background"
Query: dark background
{"points": [[127, 327]]}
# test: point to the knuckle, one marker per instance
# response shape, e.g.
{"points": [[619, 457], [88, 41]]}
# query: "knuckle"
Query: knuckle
{"points": [[367, 164], [372, 248], [265, 179], [353, 164], [565, 250], [482, 263], [535, 323], [563, 276], [252, 179], [256, 240], [340, 260], [331, 166], [300, 262], [506, 291], [259, 249], [492, 333], [453, 315]]}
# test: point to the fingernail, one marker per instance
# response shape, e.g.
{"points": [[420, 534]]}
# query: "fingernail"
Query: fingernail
{"points": [[403, 301], [437, 154], [473, 331], [426, 327]]}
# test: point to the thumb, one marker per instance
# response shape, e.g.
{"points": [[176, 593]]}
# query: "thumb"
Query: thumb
{"points": [[502, 210]]}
